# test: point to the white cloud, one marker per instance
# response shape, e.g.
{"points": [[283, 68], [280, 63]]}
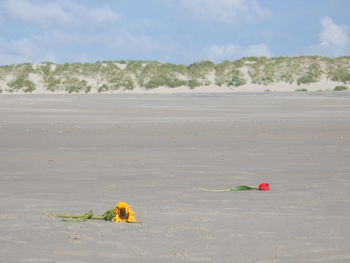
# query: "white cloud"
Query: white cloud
{"points": [[226, 11], [334, 39], [135, 43], [59, 46], [231, 51], [57, 12], [31, 11], [24, 50]]}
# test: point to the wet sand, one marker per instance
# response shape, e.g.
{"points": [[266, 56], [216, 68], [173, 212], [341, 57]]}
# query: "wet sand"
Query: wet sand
{"points": [[73, 153]]}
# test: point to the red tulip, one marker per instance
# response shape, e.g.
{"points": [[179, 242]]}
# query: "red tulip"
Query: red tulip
{"points": [[264, 187]]}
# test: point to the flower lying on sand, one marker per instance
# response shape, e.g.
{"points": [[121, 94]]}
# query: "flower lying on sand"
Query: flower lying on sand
{"points": [[124, 213], [262, 187], [121, 213]]}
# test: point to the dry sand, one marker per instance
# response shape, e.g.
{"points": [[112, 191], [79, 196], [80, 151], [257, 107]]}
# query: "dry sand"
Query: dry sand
{"points": [[73, 153]]}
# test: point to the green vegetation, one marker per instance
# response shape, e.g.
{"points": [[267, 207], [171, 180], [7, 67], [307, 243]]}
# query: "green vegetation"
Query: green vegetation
{"points": [[342, 75], [76, 86], [105, 76], [228, 72], [340, 88], [312, 75], [200, 70], [22, 83]]}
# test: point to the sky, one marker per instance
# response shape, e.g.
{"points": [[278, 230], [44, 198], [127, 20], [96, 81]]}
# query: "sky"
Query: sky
{"points": [[175, 31]]}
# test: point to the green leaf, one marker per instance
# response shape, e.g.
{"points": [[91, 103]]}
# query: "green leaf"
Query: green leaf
{"points": [[109, 214], [88, 215], [241, 188]]}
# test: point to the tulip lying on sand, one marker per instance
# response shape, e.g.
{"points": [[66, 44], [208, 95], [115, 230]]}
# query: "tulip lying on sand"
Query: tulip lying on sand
{"points": [[261, 187]]}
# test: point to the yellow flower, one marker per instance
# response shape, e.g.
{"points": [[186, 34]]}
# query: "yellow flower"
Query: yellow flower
{"points": [[124, 213]]}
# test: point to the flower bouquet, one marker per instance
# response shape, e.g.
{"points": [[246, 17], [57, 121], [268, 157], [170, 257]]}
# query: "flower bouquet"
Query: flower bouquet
{"points": [[121, 213], [261, 187]]}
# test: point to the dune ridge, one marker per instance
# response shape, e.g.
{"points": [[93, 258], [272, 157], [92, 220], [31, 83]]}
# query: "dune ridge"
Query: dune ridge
{"points": [[247, 74]]}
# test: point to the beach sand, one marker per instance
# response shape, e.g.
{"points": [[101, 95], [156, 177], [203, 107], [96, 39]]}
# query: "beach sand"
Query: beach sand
{"points": [[73, 153]]}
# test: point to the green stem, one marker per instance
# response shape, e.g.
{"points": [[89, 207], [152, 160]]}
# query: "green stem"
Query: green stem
{"points": [[236, 188], [78, 218], [68, 216]]}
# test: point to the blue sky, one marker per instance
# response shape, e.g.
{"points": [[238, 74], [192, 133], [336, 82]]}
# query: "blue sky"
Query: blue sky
{"points": [[177, 31]]}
